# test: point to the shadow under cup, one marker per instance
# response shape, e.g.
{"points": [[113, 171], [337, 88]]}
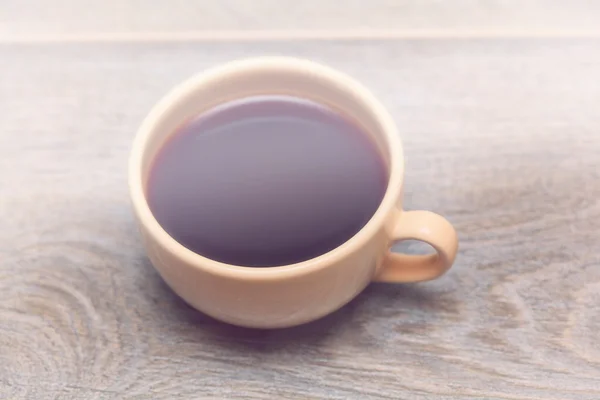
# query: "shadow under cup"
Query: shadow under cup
{"points": [[282, 295]]}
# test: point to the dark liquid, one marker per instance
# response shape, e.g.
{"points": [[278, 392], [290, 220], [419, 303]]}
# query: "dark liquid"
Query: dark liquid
{"points": [[266, 181]]}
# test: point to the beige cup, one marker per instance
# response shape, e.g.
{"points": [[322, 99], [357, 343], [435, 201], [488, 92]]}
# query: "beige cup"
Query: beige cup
{"points": [[292, 294]]}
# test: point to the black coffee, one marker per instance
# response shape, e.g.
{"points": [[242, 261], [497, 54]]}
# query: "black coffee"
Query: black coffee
{"points": [[266, 181]]}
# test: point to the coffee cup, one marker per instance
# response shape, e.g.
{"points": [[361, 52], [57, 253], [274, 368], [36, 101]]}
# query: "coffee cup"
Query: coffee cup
{"points": [[287, 295]]}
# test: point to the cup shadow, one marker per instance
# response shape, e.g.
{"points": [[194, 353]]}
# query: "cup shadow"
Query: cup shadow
{"points": [[378, 300]]}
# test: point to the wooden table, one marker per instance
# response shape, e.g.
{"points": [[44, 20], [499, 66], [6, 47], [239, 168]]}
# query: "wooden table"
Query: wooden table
{"points": [[500, 117]]}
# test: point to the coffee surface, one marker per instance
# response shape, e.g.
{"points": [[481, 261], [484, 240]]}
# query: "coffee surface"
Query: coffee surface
{"points": [[266, 181]]}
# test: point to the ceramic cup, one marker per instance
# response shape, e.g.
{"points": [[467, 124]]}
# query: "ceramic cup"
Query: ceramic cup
{"points": [[293, 294]]}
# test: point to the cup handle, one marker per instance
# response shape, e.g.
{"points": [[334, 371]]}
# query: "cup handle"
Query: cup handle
{"points": [[430, 228]]}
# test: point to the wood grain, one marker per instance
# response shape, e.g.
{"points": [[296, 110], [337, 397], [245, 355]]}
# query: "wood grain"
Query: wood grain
{"points": [[39, 20], [501, 136]]}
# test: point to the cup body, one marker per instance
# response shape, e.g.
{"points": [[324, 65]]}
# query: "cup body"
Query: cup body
{"points": [[278, 296]]}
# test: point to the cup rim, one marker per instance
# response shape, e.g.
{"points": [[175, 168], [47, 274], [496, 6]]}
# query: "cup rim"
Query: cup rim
{"points": [[144, 134]]}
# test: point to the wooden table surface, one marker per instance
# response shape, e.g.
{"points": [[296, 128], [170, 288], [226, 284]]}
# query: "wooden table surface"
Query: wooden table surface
{"points": [[499, 110]]}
